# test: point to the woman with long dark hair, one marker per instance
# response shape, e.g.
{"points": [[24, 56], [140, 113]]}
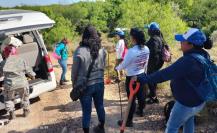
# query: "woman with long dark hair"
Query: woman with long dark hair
{"points": [[187, 75], [90, 50], [135, 63]]}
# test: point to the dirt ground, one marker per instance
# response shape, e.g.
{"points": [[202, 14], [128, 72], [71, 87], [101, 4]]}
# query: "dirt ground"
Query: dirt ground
{"points": [[54, 112]]}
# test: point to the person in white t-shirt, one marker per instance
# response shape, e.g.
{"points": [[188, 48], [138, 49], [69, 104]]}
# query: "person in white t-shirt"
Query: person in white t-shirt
{"points": [[121, 50], [135, 63]]}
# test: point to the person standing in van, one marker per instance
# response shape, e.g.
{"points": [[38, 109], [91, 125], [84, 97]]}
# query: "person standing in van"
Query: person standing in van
{"points": [[155, 45], [62, 51], [135, 63], [121, 50], [14, 69], [90, 51]]}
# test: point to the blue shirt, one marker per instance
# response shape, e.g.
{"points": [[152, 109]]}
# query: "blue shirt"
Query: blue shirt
{"points": [[62, 50], [185, 68]]}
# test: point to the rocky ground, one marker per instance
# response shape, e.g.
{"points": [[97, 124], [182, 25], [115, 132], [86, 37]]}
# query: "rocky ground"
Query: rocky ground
{"points": [[54, 112]]}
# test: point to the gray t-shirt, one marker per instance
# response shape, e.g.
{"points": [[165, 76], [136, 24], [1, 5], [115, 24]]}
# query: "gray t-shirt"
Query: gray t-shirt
{"points": [[81, 62]]}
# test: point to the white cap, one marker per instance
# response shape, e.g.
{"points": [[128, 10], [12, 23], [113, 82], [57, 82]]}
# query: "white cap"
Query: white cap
{"points": [[11, 41]]}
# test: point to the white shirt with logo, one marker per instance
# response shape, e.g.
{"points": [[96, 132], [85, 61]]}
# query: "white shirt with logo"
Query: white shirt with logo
{"points": [[120, 48], [136, 61]]}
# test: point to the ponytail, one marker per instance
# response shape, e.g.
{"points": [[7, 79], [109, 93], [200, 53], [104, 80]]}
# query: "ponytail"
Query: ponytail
{"points": [[208, 44], [139, 36], [125, 40]]}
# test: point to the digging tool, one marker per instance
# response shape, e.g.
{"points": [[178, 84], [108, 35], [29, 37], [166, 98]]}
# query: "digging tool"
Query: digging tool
{"points": [[133, 92]]}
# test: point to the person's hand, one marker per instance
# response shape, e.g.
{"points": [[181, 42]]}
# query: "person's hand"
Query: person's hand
{"points": [[115, 69], [33, 77]]}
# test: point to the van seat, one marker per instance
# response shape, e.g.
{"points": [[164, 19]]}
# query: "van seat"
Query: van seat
{"points": [[30, 53], [27, 39]]}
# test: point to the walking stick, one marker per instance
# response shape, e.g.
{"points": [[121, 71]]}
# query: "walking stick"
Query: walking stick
{"points": [[120, 97], [133, 92], [108, 80]]}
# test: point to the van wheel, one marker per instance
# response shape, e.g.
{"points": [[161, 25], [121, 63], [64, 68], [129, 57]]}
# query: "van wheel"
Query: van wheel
{"points": [[3, 112]]}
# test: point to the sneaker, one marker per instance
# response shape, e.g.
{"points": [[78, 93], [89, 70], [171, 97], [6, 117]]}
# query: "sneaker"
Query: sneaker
{"points": [[65, 80], [128, 124], [98, 129], [62, 82], [117, 80], [86, 130], [152, 100], [12, 115], [26, 112]]}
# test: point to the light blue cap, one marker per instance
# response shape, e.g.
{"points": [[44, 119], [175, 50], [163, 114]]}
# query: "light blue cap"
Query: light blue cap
{"points": [[120, 33], [153, 26]]}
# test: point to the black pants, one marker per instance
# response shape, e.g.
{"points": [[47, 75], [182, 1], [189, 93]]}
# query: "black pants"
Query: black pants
{"points": [[152, 90], [153, 87], [140, 96]]}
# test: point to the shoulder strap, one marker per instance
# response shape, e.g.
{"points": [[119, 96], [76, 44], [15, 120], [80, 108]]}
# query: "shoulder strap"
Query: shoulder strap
{"points": [[90, 68], [199, 58]]}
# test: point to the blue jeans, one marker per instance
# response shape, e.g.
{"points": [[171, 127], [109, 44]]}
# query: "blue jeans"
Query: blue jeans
{"points": [[63, 64], [182, 116], [95, 92]]}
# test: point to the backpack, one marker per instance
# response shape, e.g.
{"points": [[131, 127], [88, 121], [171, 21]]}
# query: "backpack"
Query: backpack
{"points": [[207, 89], [165, 51], [166, 54], [167, 109]]}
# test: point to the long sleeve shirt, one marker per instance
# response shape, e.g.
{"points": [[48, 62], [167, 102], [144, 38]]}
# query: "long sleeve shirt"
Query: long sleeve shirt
{"points": [[62, 51], [183, 70], [136, 61], [120, 46], [155, 46], [81, 62]]}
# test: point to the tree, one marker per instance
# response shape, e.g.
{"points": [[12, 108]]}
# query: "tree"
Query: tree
{"points": [[136, 14], [203, 15], [62, 28]]}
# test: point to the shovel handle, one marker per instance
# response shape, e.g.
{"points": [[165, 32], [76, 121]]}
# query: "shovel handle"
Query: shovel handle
{"points": [[133, 91]]}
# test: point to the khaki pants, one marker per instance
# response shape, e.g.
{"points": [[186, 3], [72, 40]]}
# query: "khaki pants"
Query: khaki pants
{"points": [[10, 96]]}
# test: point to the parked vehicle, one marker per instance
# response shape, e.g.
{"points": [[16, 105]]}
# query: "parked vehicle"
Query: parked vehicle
{"points": [[25, 25]]}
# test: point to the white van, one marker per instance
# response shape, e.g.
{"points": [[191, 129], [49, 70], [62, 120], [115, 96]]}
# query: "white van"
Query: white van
{"points": [[25, 25]]}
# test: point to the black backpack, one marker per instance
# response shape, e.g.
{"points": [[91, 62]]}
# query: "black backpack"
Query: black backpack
{"points": [[167, 109]]}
